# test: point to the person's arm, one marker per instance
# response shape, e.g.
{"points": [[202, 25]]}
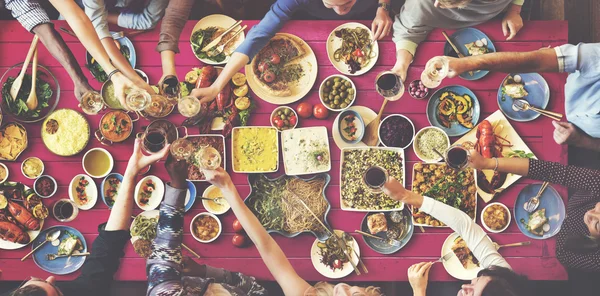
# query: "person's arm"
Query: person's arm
{"points": [[280, 12], [382, 24], [543, 60], [269, 250], [122, 63], [146, 19], [477, 240], [409, 31], [176, 15], [512, 21]]}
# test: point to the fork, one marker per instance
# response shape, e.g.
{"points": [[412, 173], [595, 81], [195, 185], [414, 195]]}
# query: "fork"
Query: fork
{"points": [[534, 202], [219, 49], [445, 257], [51, 257]]}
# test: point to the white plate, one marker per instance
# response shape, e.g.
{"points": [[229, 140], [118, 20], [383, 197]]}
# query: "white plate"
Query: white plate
{"points": [[319, 135], [509, 133], [487, 227], [419, 133], [453, 265], [157, 194], [147, 214], [324, 270], [367, 115], [233, 162], [91, 190], [334, 43], [217, 20], [205, 202], [6, 245], [299, 90]]}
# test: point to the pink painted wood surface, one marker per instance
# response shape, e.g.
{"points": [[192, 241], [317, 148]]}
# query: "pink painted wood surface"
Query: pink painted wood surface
{"points": [[536, 261]]}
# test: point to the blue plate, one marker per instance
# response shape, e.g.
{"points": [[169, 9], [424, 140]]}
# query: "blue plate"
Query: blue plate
{"points": [[539, 96], [192, 193], [455, 128], [360, 123], [465, 36], [124, 41], [381, 246], [102, 191], [58, 266], [550, 200]]}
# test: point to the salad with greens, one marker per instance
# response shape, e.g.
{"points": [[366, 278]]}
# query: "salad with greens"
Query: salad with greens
{"points": [[203, 37], [97, 70], [17, 107]]}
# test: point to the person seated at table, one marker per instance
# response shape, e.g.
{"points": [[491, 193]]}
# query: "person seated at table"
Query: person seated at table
{"points": [[582, 104], [34, 19], [107, 249], [281, 12], [119, 73], [578, 241], [417, 18], [170, 274], [497, 276]]}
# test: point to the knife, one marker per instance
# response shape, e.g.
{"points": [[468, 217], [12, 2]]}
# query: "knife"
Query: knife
{"points": [[460, 55], [218, 39]]}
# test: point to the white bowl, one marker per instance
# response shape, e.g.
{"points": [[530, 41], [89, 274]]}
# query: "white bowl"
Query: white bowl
{"points": [[396, 115], [110, 158], [5, 168], [206, 214], [51, 179], [23, 172], [157, 194], [205, 202], [323, 85], [485, 225], [417, 137], [283, 108], [91, 190]]}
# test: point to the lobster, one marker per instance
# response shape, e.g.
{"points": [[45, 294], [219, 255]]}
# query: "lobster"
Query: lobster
{"points": [[23, 217], [207, 76], [13, 233], [490, 145], [224, 98]]}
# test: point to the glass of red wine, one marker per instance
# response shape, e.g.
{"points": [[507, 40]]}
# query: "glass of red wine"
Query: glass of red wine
{"points": [[153, 140], [375, 177], [457, 157], [65, 210]]}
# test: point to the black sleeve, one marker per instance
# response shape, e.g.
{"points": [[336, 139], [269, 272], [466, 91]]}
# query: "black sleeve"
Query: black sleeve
{"points": [[99, 268]]}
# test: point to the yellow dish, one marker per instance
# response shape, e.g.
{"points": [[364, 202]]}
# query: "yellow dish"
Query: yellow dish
{"points": [[65, 132], [255, 150], [213, 192]]}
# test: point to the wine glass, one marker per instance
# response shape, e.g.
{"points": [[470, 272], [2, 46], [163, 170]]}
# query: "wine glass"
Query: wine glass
{"points": [[208, 158], [182, 149], [91, 102], [389, 85], [138, 99], [189, 106], [435, 71], [375, 177], [170, 88], [158, 106], [457, 157], [153, 140]]}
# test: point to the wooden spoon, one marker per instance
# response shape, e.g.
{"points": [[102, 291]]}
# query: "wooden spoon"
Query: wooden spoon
{"points": [[16, 86], [371, 131], [32, 101]]}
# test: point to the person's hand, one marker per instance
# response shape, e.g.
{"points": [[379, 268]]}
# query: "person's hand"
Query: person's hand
{"points": [[178, 171], [205, 95], [400, 71], [122, 85], [395, 190], [566, 133], [192, 268], [81, 89], [382, 24], [478, 162], [418, 275], [456, 66], [512, 22], [141, 83], [138, 160], [218, 177]]}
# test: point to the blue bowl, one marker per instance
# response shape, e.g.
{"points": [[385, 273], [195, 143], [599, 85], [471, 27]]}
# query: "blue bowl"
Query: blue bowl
{"points": [[192, 192], [550, 200], [465, 36], [102, 191], [455, 128], [381, 246], [361, 123], [538, 96], [58, 266]]}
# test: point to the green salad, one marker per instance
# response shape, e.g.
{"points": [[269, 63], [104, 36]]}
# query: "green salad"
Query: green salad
{"points": [[200, 39], [97, 70], [18, 107]]}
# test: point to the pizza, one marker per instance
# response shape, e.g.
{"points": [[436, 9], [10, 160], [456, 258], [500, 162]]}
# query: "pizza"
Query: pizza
{"points": [[462, 252], [273, 65]]}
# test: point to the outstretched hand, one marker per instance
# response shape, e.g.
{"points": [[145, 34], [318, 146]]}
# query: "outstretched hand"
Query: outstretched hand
{"points": [[218, 177], [205, 95], [512, 22], [138, 160], [178, 171]]}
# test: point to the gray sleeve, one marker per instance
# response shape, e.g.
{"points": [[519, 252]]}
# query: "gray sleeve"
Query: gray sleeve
{"points": [[145, 20], [409, 30], [96, 11]]}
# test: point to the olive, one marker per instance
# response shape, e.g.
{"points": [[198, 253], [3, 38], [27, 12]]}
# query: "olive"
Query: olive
{"points": [[334, 92], [343, 105], [331, 96], [326, 89], [283, 117], [342, 88], [350, 91], [286, 122], [348, 84], [336, 102], [343, 95], [328, 83], [337, 79], [286, 111], [336, 85], [348, 101], [337, 98]]}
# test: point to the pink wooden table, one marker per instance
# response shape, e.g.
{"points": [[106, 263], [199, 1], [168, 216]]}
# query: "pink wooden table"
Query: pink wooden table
{"points": [[537, 261]]}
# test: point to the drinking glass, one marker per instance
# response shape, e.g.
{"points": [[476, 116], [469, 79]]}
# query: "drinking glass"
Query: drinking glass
{"points": [[138, 99], [375, 177], [435, 71], [208, 158], [153, 140], [158, 106], [65, 210], [170, 88], [457, 157], [91, 102], [182, 149], [189, 106], [389, 85]]}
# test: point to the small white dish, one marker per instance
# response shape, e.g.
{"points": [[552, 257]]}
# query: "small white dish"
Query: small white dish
{"points": [[210, 215], [23, 171], [388, 118], [157, 194], [416, 140], [6, 170], [487, 227], [110, 159], [91, 191], [326, 271], [51, 179], [206, 203], [323, 86], [281, 109]]}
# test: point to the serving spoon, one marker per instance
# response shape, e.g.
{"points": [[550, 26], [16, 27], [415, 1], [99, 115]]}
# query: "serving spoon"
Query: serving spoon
{"points": [[50, 236], [16, 86], [32, 101]]}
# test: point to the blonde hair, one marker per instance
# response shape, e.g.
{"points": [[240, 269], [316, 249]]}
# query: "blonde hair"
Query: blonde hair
{"points": [[327, 289]]}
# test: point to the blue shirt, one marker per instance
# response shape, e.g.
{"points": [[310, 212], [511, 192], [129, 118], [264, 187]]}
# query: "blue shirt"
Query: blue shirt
{"points": [[283, 10], [582, 90]]}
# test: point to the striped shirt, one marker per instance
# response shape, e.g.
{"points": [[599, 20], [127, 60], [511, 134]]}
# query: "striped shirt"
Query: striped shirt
{"points": [[28, 12]]}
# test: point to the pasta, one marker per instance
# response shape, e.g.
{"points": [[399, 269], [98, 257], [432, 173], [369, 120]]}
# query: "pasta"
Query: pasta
{"points": [[144, 227]]}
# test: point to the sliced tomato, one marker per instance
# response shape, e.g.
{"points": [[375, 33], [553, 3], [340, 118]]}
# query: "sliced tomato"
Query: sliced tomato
{"points": [[268, 76]]}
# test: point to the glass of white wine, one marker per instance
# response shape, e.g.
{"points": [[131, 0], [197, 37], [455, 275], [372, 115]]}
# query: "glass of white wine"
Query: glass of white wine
{"points": [[435, 71], [91, 102], [138, 99], [188, 106], [158, 106], [182, 149], [208, 158]]}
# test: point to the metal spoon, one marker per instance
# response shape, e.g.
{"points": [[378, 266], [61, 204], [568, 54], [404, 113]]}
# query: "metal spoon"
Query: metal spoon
{"points": [[217, 200], [523, 105], [50, 236], [533, 203], [51, 257]]}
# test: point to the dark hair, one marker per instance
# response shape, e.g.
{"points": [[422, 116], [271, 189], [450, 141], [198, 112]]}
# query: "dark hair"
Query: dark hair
{"points": [[504, 282], [578, 243], [30, 290]]}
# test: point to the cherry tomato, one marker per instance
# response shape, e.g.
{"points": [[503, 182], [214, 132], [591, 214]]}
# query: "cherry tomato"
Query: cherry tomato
{"points": [[238, 240], [237, 226], [275, 59], [268, 76], [280, 123], [358, 53], [304, 110], [262, 66], [320, 112], [337, 264], [293, 120]]}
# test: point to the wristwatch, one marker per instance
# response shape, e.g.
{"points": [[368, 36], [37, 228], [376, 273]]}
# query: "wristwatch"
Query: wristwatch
{"points": [[385, 6]]}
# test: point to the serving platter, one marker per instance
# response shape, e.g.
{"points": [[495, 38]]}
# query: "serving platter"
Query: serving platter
{"points": [[216, 20], [234, 152], [381, 246], [453, 265], [324, 270], [33, 234], [549, 200], [498, 120], [147, 214], [191, 161], [157, 194], [455, 128], [91, 191], [333, 43], [288, 138]]}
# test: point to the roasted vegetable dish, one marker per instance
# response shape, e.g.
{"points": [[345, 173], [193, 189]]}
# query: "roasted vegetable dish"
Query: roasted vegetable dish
{"points": [[332, 254], [356, 50], [455, 108], [444, 184]]}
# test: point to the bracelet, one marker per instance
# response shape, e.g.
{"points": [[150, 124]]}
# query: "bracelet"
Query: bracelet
{"points": [[384, 5], [496, 167], [115, 71]]}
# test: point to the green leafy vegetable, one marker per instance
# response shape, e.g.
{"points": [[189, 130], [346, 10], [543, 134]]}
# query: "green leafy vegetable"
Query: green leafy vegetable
{"points": [[202, 38], [245, 114], [97, 70], [18, 107], [520, 154]]}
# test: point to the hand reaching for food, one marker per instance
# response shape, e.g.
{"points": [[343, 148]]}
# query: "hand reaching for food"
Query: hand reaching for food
{"points": [[205, 95], [138, 160], [395, 190], [122, 84]]}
